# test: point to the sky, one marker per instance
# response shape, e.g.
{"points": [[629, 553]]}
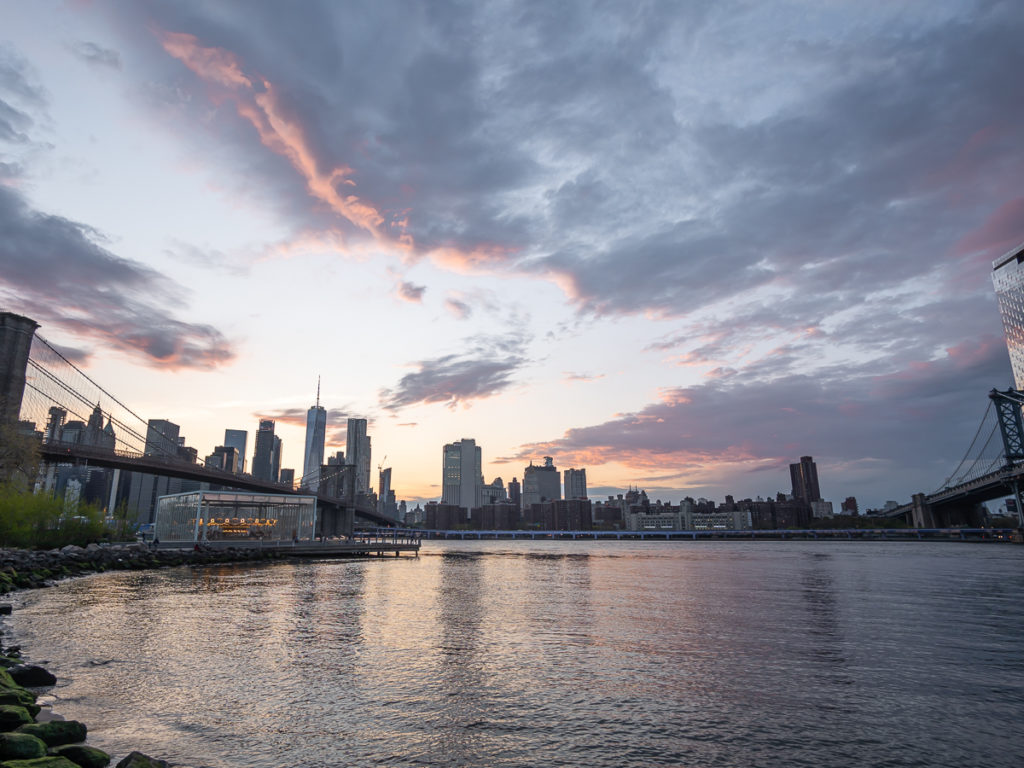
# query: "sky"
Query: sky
{"points": [[678, 244]]}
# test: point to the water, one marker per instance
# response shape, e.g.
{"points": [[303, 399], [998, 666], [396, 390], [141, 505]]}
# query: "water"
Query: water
{"points": [[552, 654]]}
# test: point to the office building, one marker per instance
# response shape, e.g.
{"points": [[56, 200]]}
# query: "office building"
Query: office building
{"points": [[237, 439], [383, 490], [515, 493], [161, 438], [462, 477], [805, 480], [316, 433], [575, 482], [263, 454], [541, 483], [275, 461], [224, 457], [357, 448], [1008, 280], [287, 477]]}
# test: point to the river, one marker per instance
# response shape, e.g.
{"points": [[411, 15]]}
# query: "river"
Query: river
{"points": [[530, 653]]}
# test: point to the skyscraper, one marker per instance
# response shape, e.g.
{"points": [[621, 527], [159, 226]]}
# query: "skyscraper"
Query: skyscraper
{"points": [[316, 433], [237, 439], [161, 438], [575, 482], [357, 450], [383, 490], [541, 483], [805, 480], [1008, 279], [275, 469], [462, 476], [263, 454]]}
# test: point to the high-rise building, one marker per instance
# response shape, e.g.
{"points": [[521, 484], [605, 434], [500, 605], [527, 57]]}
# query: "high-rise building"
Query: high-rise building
{"points": [[275, 469], [224, 457], [287, 477], [161, 438], [541, 483], [1008, 279], [357, 448], [383, 490], [462, 476], [237, 439], [515, 494], [805, 480], [575, 482], [849, 506], [263, 454], [316, 434]]}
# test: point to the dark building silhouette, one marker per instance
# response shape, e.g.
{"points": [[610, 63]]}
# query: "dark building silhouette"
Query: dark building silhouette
{"points": [[263, 455], [805, 480], [849, 507], [515, 493]]}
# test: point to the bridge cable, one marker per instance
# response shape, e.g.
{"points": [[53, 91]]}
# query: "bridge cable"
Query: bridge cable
{"points": [[967, 453]]}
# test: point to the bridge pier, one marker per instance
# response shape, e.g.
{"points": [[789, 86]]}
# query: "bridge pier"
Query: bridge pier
{"points": [[16, 334], [921, 515]]}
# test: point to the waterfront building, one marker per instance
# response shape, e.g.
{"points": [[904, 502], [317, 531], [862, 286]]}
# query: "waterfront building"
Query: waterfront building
{"points": [[237, 439], [494, 492], [234, 516], [462, 474], [445, 517], [541, 483], [821, 508], [717, 520], [805, 480], [316, 435], [263, 454], [1008, 280], [575, 483], [657, 519], [357, 446]]}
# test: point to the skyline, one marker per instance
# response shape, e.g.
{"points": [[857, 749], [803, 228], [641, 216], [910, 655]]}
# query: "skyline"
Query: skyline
{"points": [[680, 247]]}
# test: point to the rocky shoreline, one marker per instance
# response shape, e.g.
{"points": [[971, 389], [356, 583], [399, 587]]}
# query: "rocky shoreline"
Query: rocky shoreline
{"points": [[28, 742]]}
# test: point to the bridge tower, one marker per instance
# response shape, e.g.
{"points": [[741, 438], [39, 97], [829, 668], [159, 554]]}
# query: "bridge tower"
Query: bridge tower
{"points": [[1008, 410], [16, 334]]}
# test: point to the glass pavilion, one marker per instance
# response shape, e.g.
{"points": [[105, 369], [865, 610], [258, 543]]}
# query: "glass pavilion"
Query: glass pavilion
{"points": [[233, 516]]}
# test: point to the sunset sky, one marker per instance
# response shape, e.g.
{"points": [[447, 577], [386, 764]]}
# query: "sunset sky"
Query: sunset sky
{"points": [[680, 244]]}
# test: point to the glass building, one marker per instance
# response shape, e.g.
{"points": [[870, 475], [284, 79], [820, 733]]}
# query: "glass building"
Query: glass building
{"points": [[230, 515], [1008, 278]]}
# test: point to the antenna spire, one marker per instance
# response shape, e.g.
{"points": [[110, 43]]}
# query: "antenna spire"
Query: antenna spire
{"points": [[317, 391]]}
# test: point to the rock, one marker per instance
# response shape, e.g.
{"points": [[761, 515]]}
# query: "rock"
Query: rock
{"points": [[31, 675], [139, 760], [53, 761], [19, 697], [12, 716], [80, 754], [56, 732], [20, 746]]}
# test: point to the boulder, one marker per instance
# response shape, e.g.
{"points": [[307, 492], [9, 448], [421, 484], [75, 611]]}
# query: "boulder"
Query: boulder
{"points": [[20, 746], [139, 760], [52, 761], [19, 697], [56, 732], [31, 675], [5, 609], [80, 754], [12, 716]]}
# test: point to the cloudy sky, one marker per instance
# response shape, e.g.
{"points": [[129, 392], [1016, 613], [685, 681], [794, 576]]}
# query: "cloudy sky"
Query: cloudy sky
{"points": [[679, 244]]}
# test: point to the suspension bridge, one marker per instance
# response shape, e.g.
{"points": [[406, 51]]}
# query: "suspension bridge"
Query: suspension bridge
{"points": [[77, 422], [992, 467]]}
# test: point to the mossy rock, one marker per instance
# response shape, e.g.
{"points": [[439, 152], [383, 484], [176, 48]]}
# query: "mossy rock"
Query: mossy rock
{"points": [[80, 754], [139, 760], [56, 732], [51, 761], [12, 716], [21, 746], [20, 698], [6, 681]]}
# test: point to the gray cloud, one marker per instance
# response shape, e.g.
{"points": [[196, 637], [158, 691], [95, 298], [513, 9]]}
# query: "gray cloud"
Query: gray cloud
{"points": [[55, 272], [410, 291], [460, 309], [96, 55], [487, 369]]}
